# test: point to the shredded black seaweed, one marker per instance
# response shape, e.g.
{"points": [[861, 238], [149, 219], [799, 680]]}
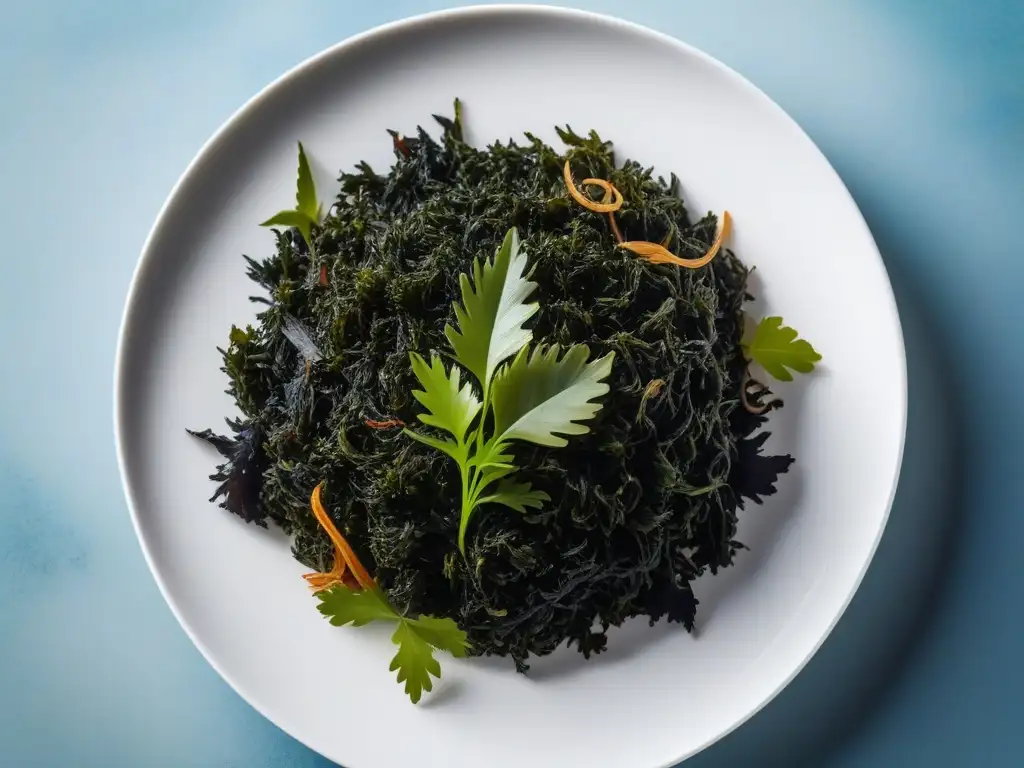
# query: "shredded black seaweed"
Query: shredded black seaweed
{"points": [[640, 506]]}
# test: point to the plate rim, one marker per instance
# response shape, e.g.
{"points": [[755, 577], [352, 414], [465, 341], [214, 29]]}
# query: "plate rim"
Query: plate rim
{"points": [[377, 34]]}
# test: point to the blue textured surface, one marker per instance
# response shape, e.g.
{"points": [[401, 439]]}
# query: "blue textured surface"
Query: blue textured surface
{"points": [[920, 106]]}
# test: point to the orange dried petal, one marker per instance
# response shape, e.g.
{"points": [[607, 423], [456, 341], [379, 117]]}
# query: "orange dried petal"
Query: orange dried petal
{"points": [[342, 546], [658, 254], [585, 201], [336, 575], [609, 191]]}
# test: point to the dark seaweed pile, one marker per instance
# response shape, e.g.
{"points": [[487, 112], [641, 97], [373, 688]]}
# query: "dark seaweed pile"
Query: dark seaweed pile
{"points": [[639, 507]]}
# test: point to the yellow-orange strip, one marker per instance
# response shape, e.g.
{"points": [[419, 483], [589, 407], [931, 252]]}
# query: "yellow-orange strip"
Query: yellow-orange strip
{"points": [[658, 254], [585, 201], [342, 546]]}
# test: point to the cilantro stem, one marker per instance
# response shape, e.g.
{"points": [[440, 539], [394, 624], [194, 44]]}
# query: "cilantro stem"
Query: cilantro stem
{"points": [[483, 417], [467, 504], [472, 476]]}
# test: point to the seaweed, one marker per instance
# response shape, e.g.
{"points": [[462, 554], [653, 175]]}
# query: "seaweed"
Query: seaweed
{"points": [[639, 507]]}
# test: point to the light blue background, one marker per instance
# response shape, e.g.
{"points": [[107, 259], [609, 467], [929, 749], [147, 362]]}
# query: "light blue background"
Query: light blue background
{"points": [[920, 106]]}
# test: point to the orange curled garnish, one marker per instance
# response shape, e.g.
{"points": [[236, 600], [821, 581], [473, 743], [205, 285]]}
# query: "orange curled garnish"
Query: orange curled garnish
{"points": [[616, 232], [652, 252], [585, 201], [323, 274], [338, 574], [374, 424], [347, 568], [658, 254], [609, 192]]}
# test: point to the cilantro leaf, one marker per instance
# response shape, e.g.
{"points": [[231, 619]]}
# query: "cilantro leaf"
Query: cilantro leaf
{"points": [[493, 311], [492, 454], [307, 212], [489, 465], [491, 472], [536, 397], [288, 219], [518, 496], [342, 606], [414, 662], [776, 348], [443, 634], [450, 407], [447, 445], [292, 219], [539, 397], [416, 638], [305, 192]]}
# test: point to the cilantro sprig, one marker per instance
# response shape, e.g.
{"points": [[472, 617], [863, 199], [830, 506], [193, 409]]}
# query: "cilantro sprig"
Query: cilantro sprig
{"points": [[307, 213], [538, 397], [416, 638], [776, 348]]}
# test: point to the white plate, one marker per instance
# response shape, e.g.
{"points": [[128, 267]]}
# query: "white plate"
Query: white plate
{"points": [[660, 695]]}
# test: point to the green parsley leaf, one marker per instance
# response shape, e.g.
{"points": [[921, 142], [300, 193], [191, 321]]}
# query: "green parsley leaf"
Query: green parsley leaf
{"points": [[536, 398], [416, 638], [447, 445], [305, 192], [295, 219], [518, 496], [307, 213], [776, 348], [357, 607], [414, 662], [443, 634], [493, 311], [492, 465], [450, 407], [539, 396]]}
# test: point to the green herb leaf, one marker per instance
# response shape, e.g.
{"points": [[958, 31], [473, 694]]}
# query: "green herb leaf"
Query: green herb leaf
{"points": [[307, 212], [295, 219], [305, 193], [448, 446], [538, 396], [414, 662], [518, 496], [535, 398], [776, 348], [450, 405], [288, 219], [416, 638], [493, 311], [241, 336], [492, 454], [356, 607], [490, 465], [443, 634], [491, 473]]}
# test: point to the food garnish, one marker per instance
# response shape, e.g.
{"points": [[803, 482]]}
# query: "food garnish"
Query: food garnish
{"points": [[307, 212], [349, 595], [536, 398]]}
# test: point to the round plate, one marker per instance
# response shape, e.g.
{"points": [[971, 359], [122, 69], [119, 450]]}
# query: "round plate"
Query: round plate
{"points": [[660, 694]]}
